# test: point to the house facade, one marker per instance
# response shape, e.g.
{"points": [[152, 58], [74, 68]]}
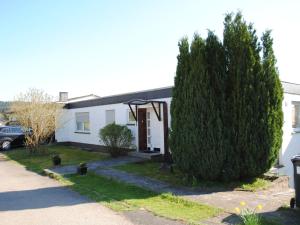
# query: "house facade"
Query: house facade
{"points": [[147, 115]]}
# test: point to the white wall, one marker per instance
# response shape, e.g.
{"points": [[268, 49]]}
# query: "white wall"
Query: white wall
{"points": [[290, 138], [66, 131]]}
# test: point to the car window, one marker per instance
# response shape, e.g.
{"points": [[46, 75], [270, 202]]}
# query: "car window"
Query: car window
{"points": [[11, 130], [5, 130], [16, 130]]}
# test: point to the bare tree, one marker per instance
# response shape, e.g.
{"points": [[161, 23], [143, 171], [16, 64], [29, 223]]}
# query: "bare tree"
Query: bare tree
{"points": [[37, 111]]}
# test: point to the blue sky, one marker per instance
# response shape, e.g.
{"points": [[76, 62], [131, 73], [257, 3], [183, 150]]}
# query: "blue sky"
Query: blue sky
{"points": [[110, 47]]}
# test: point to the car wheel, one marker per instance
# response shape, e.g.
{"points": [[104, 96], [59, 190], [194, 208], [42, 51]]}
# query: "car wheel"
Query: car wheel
{"points": [[6, 145], [293, 203]]}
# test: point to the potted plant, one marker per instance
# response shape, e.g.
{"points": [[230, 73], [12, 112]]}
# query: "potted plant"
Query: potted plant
{"points": [[82, 169], [56, 160]]}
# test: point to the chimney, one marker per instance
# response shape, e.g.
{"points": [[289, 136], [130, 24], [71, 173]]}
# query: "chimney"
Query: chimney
{"points": [[63, 96]]}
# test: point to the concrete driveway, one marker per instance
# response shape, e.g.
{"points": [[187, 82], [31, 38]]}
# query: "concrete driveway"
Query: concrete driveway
{"points": [[29, 199]]}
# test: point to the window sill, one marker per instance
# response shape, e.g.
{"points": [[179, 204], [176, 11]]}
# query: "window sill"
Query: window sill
{"points": [[82, 132]]}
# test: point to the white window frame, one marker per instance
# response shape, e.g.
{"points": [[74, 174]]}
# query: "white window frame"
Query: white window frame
{"points": [[106, 119], [85, 125], [129, 121], [295, 104], [149, 137]]}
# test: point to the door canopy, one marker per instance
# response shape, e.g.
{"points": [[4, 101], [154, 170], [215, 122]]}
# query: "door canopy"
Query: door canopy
{"points": [[156, 105]]}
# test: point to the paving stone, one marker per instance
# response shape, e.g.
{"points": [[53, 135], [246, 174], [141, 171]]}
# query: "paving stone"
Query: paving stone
{"points": [[72, 169]]}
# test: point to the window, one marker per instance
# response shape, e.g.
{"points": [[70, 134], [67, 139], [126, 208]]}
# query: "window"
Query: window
{"points": [[16, 130], [296, 114], [110, 116], [5, 130], [149, 144], [131, 119], [82, 121]]}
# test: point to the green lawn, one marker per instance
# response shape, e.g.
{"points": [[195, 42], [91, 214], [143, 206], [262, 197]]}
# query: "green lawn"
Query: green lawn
{"points": [[116, 195], [42, 160], [120, 196], [151, 169]]}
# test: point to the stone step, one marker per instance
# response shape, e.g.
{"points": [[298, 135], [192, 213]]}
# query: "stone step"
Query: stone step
{"points": [[154, 155]]}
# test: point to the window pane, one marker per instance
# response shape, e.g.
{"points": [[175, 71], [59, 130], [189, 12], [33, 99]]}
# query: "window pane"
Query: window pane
{"points": [[5, 130], [296, 115], [18, 130], [130, 117], [82, 121], [82, 117], [86, 126], [79, 125], [110, 116], [293, 116]]}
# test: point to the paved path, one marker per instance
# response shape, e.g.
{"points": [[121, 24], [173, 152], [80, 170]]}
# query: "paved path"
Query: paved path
{"points": [[29, 199], [71, 169], [270, 199], [143, 182]]}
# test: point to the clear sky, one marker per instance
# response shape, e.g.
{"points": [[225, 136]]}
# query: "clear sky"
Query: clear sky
{"points": [[110, 47]]}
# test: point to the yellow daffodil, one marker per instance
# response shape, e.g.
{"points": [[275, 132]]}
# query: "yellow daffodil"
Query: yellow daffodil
{"points": [[243, 203], [238, 211], [259, 207]]}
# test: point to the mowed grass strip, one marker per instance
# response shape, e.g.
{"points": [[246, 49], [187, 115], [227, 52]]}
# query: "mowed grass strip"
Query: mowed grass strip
{"points": [[151, 169], [120, 196], [43, 159]]}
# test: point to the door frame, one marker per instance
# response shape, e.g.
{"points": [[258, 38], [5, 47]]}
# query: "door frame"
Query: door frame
{"points": [[142, 129]]}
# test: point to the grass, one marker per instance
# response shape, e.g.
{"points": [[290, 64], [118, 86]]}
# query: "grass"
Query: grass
{"points": [[151, 169], [256, 220], [121, 197], [254, 185], [252, 218], [115, 195], [41, 160]]}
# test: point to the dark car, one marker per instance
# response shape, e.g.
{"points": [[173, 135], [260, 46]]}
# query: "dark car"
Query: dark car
{"points": [[11, 136]]}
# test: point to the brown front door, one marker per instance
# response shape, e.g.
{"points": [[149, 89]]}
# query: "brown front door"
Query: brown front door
{"points": [[142, 129]]}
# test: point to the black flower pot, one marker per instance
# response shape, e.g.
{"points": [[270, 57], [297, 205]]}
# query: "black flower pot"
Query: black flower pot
{"points": [[56, 160], [82, 169]]}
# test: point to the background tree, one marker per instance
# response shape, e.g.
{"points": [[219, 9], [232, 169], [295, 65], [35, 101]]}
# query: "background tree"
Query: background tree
{"points": [[226, 110], [37, 111]]}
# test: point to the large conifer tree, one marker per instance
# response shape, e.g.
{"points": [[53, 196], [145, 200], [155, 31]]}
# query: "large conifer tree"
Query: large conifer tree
{"points": [[226, 108], [179, 106]]}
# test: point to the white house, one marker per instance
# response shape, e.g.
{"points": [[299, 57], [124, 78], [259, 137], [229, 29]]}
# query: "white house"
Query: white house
{"points": [[147, 114]]}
